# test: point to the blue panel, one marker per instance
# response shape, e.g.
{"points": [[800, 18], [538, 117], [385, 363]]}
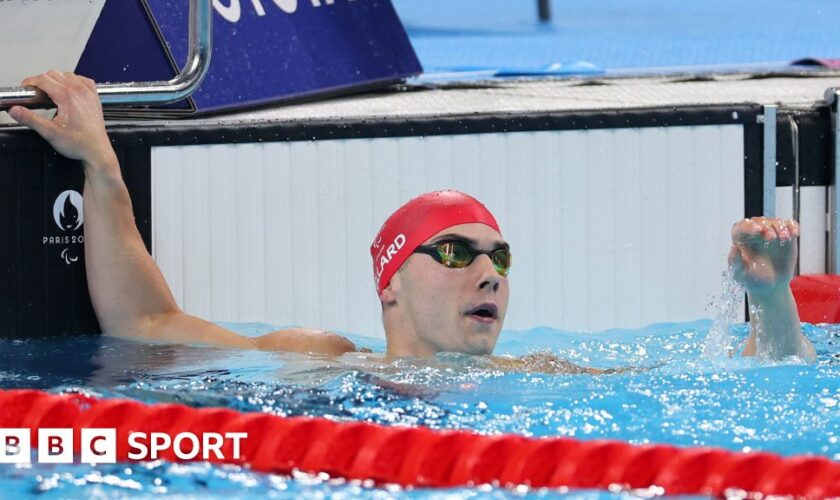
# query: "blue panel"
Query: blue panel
{"points": [[122, 33], [124, 47], [278, 54]]}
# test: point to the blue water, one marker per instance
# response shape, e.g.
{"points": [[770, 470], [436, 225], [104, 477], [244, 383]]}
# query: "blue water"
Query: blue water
{"points": [[616, 34], [675, 396]]}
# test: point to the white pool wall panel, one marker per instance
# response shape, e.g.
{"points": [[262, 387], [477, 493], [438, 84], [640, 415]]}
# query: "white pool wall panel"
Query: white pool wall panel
{"points": [[608, 227], [784, 202], [813, 224]]}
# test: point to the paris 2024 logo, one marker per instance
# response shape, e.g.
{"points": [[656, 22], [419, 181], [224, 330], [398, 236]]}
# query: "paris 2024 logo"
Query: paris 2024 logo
{"points": [[69, 215]]}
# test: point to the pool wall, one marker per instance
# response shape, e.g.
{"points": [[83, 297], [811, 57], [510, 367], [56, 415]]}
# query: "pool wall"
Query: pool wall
{"points": [[612, 226], [618, 217]]}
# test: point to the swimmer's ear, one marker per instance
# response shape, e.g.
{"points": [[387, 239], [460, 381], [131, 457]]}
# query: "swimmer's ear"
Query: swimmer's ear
{"points": [[388, 295]]}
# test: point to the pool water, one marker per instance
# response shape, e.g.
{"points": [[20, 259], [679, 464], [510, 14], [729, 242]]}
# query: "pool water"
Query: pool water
{"points": [[471, 35], [675, 394]]}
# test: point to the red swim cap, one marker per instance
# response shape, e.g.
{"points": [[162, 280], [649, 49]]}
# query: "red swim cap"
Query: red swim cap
{"points": [[417, 221]]}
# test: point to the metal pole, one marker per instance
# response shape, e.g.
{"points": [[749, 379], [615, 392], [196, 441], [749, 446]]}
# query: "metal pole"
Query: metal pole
{"points": [[144, 93], [832, 96], [769, 190], [544, 8], [794, 138]]}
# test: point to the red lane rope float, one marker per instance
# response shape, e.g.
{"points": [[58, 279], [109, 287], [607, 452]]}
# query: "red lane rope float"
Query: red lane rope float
{"points": [[817, 297], [425, 458]]}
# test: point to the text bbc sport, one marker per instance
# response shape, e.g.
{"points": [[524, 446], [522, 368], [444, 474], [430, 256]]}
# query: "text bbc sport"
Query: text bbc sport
{"points": [[99, 446]]}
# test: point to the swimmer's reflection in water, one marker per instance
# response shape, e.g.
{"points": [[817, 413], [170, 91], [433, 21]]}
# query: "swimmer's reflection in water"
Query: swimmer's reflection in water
{"points": [[100, 361], [440, 263]]}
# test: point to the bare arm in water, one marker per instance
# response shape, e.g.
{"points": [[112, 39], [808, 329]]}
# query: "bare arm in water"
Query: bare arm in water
{"points": [[763, 257], [128, 291], [544, 362]]}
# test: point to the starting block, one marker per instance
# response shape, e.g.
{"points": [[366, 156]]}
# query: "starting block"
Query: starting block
{"points": [[264, 51]]}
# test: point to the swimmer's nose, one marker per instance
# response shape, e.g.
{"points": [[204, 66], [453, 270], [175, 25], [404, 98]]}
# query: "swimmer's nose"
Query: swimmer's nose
{"points": [[489, 277]]}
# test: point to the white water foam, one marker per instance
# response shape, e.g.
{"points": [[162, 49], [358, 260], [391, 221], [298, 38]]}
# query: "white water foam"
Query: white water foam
{"points": [[719, 342]]}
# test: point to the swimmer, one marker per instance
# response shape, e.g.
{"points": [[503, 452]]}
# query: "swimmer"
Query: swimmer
{"points": [[763, 260], [440, 262]]}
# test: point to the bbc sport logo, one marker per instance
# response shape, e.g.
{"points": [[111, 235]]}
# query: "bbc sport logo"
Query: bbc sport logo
{"points": [[99, 445]]}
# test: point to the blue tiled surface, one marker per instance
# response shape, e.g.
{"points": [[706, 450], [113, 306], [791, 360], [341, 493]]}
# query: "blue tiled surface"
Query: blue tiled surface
{"points": [[618, 34]]}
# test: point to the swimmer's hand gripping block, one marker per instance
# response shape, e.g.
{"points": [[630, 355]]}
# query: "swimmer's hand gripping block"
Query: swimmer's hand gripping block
{"points": [[416, 456], [264, 51]]}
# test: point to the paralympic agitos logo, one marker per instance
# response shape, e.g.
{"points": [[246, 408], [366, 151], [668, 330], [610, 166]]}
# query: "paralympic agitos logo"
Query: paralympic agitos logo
{"points": [[69, 216]]}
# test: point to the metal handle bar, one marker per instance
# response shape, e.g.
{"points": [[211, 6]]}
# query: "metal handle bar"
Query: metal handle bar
{"points": [[144, 93]]}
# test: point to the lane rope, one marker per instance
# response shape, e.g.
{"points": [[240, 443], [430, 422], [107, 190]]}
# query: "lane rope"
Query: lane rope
{"points": [[420, 457], [817, 297]]}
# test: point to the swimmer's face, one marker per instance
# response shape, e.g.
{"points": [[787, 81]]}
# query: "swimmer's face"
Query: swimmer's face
{"points": [[453, 309]]}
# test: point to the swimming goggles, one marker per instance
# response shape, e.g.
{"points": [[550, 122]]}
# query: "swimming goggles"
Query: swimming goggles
{"points": [[459, 254]]}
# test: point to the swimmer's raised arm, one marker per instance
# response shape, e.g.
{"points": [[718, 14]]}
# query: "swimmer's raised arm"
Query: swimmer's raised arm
{"points": [[763, 257], [128, 291]]}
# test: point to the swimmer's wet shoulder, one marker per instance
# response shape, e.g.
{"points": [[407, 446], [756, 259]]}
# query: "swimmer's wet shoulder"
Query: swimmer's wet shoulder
{"points": [[305, 340]]}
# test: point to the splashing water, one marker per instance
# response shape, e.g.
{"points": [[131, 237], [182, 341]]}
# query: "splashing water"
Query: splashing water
{"points": [[719, 342], [679, 397]]}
